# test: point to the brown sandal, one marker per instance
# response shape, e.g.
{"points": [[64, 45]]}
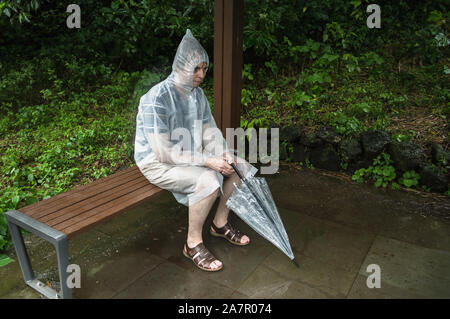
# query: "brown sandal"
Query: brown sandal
{"points": [[201, 257], [234, 236]]}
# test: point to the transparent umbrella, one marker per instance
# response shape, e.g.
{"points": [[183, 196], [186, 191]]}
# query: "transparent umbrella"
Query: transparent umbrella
{"points": [[252, 201]]}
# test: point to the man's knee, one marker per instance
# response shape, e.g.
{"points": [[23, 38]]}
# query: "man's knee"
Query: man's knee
{"points": [[234, 178], [216, 192], [207, 179]]}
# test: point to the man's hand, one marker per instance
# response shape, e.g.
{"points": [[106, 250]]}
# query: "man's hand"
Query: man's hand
{"points": [[220, 165], [229, 158]]}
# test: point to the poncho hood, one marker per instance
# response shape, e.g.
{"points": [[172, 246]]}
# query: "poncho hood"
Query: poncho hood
{"points": [[190, 53]]}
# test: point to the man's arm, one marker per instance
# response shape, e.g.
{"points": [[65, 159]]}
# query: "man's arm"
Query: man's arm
{"points": [[212, 139]]}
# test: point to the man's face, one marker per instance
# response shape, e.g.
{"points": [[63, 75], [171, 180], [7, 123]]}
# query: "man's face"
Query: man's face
{"points": [[200, 73]]}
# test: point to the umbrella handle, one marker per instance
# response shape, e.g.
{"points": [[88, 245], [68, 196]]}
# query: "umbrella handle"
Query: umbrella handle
{"points": [[237, 171]]}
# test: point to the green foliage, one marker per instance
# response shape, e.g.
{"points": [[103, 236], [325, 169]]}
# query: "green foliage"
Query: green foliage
{"points": [[301, 100], [246, 97], [335, 34], [381, 171], [247, 72], [255, 123], [344, 124], [5, 239], [409, 179], [306, 163], [289, 149], [17, 10], [398, 137], [4, 260]]}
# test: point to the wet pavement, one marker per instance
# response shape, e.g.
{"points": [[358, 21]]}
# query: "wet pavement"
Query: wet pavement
{"points": [[337, 228]]}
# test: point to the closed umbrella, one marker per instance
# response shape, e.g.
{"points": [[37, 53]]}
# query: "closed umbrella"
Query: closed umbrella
{"points": [[252, 201]]}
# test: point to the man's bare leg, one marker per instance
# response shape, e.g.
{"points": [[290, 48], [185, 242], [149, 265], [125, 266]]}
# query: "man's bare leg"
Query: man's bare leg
{"points": [[197, 216], [221, 217]]}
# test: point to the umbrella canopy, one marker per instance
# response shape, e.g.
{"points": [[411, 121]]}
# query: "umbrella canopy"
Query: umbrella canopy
{"points": [[252, 201]]}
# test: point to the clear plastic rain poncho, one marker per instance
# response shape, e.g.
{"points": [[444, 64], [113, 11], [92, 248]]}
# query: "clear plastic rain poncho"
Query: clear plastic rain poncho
{"points": [[175, 125]]}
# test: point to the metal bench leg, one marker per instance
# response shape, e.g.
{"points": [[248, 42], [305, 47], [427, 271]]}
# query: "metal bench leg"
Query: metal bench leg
{"points": [[17, 220], [21, 251], [62, 252]]}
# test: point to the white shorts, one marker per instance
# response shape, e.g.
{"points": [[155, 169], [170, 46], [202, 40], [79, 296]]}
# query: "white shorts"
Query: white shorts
{"points": [[190, 184]]}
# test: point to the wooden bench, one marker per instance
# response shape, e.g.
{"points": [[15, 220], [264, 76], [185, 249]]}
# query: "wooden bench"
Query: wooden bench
{"points": [[59, 218]]}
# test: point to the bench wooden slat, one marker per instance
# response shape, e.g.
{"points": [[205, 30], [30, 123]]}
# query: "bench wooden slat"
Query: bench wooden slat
{"points": [[111, 209], [92, 202], [88, 205], [75, 195], [79, 193], [80, 188], [110, 205]]}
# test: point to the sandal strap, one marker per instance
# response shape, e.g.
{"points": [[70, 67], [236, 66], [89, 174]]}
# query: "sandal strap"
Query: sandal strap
{"points": [[228, 230], [200, 255]]}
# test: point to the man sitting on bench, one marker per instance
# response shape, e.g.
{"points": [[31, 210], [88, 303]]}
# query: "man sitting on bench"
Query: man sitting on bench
{"points": [[179, 148]]}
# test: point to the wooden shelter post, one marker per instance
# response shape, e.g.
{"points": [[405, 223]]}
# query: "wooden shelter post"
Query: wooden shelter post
{"points": [[228, 60]]}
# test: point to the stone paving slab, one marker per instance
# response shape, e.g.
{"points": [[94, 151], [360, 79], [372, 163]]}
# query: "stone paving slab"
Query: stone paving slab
{"points": [[408, 270], [107, 278], [168, 280], [361, 291], [329, 255], [332, 280], [238, 295], [391, 219], [267, 283], [330, 243], [24, 292]]}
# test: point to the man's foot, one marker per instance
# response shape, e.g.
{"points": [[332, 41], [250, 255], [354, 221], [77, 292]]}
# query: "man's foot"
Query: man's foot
{"points": [[234, 236], [202, 257]]}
